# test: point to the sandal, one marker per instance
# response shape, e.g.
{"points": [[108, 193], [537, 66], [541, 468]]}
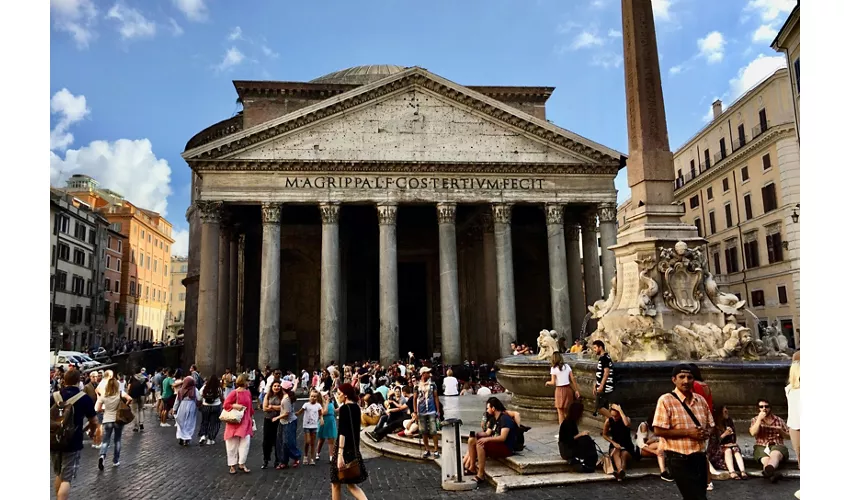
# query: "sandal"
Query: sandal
{"points": [[478, 480], [296, 463], [744, 475], [233, 470], [734, 475], [467, 472], [281, 467], [245, 469]]}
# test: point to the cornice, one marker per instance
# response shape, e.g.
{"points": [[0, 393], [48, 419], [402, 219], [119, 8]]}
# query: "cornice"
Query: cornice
{"points": [[725, 165], [416, 78], [377, 166]]}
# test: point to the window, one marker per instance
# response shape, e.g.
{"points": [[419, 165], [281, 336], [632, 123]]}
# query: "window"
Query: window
{"points": [[731, 254], [183, 268], [763, 119], [80, 231], [698, 224], [722, 147], [716, 256], [64, 224], [108, 262], [89, 287], [774, 247], [132, 288], [88, 316], [156, 242], [119, 246], [797, 73], [725, 184], [748, 207], [783, 294], [693, 170], [181, 297], [728, 209], [758, 298], [742, 137], [106, 309], [143, 234], [165, 270], [712, 228], [166, 248], [148, 261], [745, 174], [707, 156], [78, 285], [751, 250], [149, 237], [694, 201], [79, 257], [155, 262], [709, 193], [147, 292], [118, 263], [117, 286], [61, 280], [59, 313], [768, 197], [107, 284], [765, 161], [64, 252], [92, 236]]}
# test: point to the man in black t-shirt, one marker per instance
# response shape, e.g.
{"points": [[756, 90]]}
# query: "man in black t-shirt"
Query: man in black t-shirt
{"points": [[604, 387], [500, 444], [66, 461]]}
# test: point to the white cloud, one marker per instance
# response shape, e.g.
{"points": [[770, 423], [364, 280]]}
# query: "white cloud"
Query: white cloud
{"points": [[585, 39], [70, 109], [661, 9], [599, 4], [675, 70], [711, 47], [567, 27], [195, 10], [176, 30], [233, 57], [269, 52], [607, 60], [757, 70], [615, 33], [180, 247], [77, 18], [132, 23], [236, 34], [709, 115], [764, 33], [769, 10]]}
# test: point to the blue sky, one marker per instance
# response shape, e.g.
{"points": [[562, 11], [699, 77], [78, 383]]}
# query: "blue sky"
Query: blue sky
{"points": [[131, 81]]}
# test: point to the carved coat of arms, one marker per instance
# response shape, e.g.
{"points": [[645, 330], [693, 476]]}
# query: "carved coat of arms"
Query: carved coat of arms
{"points": [[682, 270]]}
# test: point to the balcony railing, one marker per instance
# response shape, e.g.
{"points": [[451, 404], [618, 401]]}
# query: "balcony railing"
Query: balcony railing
{"points": [[760, 128], [739, 143], [688, 176], [719, 156]]}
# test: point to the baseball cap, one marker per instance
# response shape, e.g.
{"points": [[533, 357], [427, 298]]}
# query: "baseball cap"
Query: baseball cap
{"points": [[286, 385], [682, 368], [424, 369]]}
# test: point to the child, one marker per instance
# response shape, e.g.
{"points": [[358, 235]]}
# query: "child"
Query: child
{"points": [[311, 411]]}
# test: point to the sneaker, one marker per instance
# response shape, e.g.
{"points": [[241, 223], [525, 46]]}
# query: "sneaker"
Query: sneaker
{"points": [[135, 429], [371, 435], [318, 457], [164, 425], [202, 440], [95, 445], [210, 442], [141, 427], [710, 487], [797, 494], [100, 462], [768, 471], [436, 454], [427, 454], [265, 464], [666, 476], [116, 464]]}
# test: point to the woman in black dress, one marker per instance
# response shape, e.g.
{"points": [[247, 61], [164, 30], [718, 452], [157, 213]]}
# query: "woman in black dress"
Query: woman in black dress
{"points": [[617, 431], [349, 443], [576, 447]]}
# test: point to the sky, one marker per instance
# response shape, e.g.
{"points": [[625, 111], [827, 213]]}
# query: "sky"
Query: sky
{"points": [[133, 80]]}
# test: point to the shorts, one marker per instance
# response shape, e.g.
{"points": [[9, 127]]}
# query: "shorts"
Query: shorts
{"points": [[603, 400], [495, 449], [65, 465], [311, 432], [169, 402], [759, 451], [428, 424]]}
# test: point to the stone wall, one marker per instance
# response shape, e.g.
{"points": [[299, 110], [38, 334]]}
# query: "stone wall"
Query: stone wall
{"points": [[151, 359]]}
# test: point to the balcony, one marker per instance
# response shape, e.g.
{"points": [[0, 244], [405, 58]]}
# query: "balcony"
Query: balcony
{"points": [[739, 143], [688, 177], [760, 128], [719, 156]]}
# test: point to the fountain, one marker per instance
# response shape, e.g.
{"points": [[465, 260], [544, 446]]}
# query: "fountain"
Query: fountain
{"points": [[664, 306]]}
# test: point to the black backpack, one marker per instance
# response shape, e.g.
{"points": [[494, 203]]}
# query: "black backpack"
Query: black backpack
{"points": [[137, 388], [62, 423]]}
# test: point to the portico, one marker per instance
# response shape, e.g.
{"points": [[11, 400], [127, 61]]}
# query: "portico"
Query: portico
{"points": [[374, 219]]}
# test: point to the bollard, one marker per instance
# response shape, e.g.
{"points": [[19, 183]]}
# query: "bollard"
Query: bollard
{"points": [[451, 461]]}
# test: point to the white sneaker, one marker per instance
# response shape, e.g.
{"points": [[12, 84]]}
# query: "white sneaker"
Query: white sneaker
{"points": [[95, 446], [202, 440], [165, 425], [710, 487], [210, 442], [116, 464]]}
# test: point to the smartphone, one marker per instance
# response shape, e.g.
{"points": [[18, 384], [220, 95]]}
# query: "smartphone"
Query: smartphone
{"points": [[472, 434]]}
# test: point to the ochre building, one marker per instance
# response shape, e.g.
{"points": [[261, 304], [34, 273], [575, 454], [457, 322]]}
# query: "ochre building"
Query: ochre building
{"points": [[381, 210]]}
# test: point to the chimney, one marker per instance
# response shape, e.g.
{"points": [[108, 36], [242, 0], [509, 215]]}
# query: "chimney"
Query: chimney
{"points": [[717, 108]]}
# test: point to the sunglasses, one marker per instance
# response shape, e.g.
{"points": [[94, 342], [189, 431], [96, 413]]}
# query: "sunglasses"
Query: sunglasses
{"points": [[764, 406]]}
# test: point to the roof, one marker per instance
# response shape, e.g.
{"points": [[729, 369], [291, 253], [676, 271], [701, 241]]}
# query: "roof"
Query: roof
{"points": [[793, 18], [360, 75]]}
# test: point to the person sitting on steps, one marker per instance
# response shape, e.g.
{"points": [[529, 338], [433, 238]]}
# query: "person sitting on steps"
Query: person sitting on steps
{"points": [[617, 432], [649, 446]]}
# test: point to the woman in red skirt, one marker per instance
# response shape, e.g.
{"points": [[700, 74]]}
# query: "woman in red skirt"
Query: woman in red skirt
{"points": [[565, 384]]}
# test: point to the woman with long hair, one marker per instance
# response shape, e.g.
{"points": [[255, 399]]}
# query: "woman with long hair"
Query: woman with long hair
{"points": [[108, 403], [617, 431], [287, 429], [565, 385], [271, 409], [237, 437], [211, 398], [723, 450], [327, 426], [792, 393], [576, 447], [348, 445], [188, 400], [648, 445]]}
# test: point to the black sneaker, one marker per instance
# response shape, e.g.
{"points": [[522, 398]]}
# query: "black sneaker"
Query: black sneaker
{"points": [[371, 435], [141, 427], [666, 476], [135, 429], [427, 454], [265, 464], [100, 463], [768, 471]]}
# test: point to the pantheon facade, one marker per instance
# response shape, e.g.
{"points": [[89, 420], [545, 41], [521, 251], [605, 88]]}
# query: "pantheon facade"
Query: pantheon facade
{"points": [[381, 210]]}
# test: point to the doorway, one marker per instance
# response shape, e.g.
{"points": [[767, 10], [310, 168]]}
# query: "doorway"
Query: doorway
{"points": [[413, 309]]}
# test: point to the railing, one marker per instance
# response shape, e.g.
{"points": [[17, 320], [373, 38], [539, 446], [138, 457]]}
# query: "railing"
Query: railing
{"points": [[739, 143], [760, 128], [704, 166], [719, 156]]}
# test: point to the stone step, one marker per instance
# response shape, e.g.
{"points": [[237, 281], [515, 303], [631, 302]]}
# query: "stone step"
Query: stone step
{"points": [[395, 449]]}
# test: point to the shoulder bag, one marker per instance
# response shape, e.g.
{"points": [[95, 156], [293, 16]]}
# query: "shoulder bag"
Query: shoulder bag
{"points": [[353, 472], [124, 415], [232, 416], [687, 409], [605, 461]]}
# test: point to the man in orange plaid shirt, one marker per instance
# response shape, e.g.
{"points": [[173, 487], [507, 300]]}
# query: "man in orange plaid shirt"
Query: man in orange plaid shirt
{"points": [[682, 423]]}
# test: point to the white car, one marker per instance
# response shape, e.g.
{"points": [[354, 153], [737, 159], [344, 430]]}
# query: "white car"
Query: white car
{"points": [[64, 358]]}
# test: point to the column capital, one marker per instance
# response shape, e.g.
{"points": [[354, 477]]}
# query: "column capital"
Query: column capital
{"points": [[271, 212], [387, 213], [446, 213], [588, 220], [502, 212], [210, 211], [329, 213], [241, 240], [554, 213], [607, 212]]}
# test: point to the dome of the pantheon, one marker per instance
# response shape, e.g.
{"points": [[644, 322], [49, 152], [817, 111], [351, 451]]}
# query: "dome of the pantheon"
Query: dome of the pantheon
{"points": [[360, 75]]}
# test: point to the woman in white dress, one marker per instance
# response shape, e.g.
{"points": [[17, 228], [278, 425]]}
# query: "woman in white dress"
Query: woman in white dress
{"points": [[792, 392], [186, 406]]}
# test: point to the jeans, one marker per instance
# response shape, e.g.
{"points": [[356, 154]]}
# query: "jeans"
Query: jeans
{"points": [[392, 423], [287, 442], [110, 429], [689, 472]]}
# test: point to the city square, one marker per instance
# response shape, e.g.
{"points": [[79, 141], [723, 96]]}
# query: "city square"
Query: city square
{"points": [[375, 255]]}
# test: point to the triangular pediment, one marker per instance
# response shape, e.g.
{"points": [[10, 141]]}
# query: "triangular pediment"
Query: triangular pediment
{"points": [[413, 116]]}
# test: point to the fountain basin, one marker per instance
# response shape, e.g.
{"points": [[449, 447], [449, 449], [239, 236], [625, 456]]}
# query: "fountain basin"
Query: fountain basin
{"points": [[737, 384]]}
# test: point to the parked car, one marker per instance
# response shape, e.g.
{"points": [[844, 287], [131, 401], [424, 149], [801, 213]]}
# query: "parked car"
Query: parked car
{"points": [[98, 353]]}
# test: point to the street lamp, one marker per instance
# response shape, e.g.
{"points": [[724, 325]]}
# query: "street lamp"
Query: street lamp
{"points": [[795, 215]]}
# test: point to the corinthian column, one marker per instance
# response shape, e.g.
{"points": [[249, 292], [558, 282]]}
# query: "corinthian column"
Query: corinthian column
{"points": [[590, 252], [608, 235], [559, 292], [388, 283], [505, 276], [270, 287], [329, 327], [449, 307], [223, 309], [233, 299], [210, 212], [574, 277]]}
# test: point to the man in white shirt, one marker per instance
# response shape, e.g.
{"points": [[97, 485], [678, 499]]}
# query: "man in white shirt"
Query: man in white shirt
{"points": [[450, 384]]}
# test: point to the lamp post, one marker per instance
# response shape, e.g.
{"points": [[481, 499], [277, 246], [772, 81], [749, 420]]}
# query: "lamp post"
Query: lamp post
{"points": [[795, 215]]}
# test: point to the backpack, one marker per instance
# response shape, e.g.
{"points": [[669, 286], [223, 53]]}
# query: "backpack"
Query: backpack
{"points": [[62, 423], [211, 399], [199, 380]]}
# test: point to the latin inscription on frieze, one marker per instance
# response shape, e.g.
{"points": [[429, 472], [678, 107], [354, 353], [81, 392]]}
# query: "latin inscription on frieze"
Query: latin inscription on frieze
{"points": [[412, 183]]}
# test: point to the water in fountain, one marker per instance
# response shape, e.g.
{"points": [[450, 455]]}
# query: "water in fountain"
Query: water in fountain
{"points": [[584, 325], [758, 321]]}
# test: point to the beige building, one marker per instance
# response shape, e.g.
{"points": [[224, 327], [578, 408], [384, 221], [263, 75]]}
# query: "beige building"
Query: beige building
{"points": [[739, 181], [787, 41], [177, 295]]}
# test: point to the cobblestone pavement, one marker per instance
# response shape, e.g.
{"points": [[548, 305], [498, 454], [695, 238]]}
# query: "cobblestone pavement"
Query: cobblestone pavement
{"points": [[153, 466]]}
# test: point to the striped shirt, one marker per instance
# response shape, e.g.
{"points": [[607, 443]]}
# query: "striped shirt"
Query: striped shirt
{"points": [[670, 414]]}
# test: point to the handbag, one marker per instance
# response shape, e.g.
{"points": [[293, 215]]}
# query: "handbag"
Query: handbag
{"points": [[124, 415], [353, 472], [606, 461]]}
